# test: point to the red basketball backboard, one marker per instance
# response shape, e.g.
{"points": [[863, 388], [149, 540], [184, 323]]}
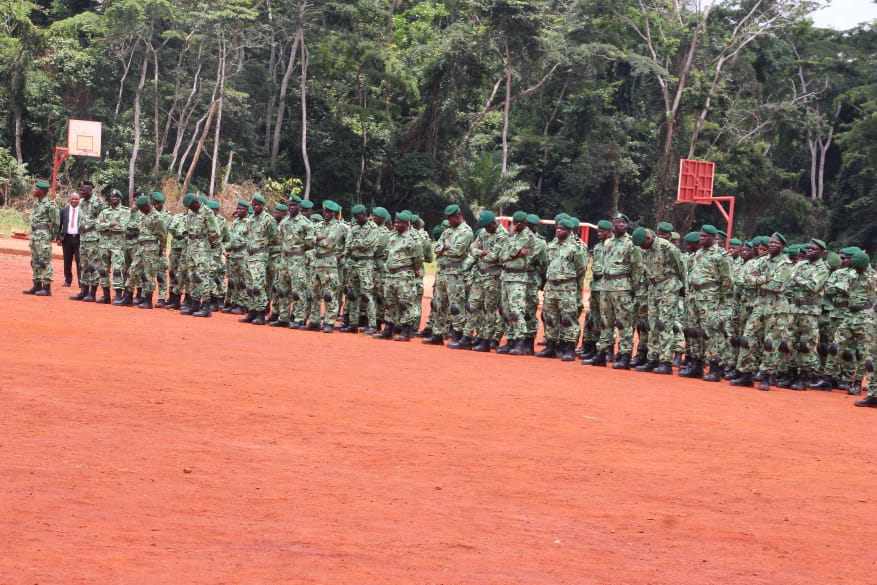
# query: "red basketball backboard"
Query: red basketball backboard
{"points": [[695, 182]]}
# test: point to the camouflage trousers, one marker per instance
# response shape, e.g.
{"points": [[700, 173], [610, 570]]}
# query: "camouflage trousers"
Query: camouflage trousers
{"points": [[112, 262], [855, 338], [449, 302], [418, 311], [161, 275], [324, 287], [834, 366], [273, 275], [765, 327], [151, 262], [297, 272], [41, 256], [400, 298], [665, 310], [708, 318], [134, 275], [482, 309], [591, 330], [802, 339], [378, 293], [220, 284], [514, 308], [89, 256], [561, 308], [257, 266], [199, 263], [175, 273], [534, 284], [617, 311], [238, 277], [360, 291], [641, 317]]}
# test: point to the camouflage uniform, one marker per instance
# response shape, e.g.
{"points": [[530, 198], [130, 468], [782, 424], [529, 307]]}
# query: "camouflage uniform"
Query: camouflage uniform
{"points": [[805, 286], [45, 222], [561, 307], [854, 338], [359, 251], [152, 233], [161, 272], [593, 321], [664, 272], [449, 291], [380, 273], [428, 256], [403, 259], [538, 266], [133, 255], [238, 273], [515, 280], [220, 271], [709, 287], [484, 293], [324, 281], [111, 225], [89, 239], [261, 233], [202, 239], [297, 236], [622, 263]]}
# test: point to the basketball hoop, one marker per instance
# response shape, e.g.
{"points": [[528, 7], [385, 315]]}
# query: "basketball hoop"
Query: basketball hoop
{"points": [[696, 186], [83, 139]]}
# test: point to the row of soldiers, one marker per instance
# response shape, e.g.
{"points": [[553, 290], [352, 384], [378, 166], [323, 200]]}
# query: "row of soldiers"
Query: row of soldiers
{"points": [[763, 311]]}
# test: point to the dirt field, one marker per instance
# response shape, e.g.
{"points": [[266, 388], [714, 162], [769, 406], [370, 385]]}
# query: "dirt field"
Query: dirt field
{"points": [[146, 447]]}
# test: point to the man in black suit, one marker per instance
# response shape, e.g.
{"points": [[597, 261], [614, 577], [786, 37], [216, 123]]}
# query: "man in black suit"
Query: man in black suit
{"points": [[68, 237]]}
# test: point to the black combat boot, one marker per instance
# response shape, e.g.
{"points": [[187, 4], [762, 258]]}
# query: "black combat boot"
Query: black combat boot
{"points": [[641, 357], [273, 317], [824, 385], [520, 347], [161, 303], [33, 290], [138, 296], [128, 299], [867, 401], [203, 309], [385, 333], [45, 291], [145, 301], [189, 308], [238, 310], [550, 350], [434, 339], [464, 342], [715, 373], [622, 362], [279, 323], [664, 368], [764, 383], [105, 299], [529, 343], [598, 359], [855, 388], [83, 290], [404, 335], [249, 318], [800, 383], [695, 369], [589, 350], [425, 332], [259, 318], [744, 379], [482, 345], [90, 294], [567, 352], [173, 302], [646, 366], [508, 346]]}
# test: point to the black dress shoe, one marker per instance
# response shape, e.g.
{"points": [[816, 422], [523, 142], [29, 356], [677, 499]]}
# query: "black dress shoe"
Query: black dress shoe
{"points": [[66, 284]]}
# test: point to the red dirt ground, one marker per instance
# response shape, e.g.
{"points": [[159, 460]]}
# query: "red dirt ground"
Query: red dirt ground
{"points": [[320, 458]]}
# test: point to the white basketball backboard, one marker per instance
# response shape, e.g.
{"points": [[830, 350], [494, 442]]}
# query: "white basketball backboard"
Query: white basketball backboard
{"points": [[83, 137]]}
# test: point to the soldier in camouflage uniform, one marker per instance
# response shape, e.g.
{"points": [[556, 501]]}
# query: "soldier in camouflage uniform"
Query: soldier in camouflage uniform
{"points": [[359, 250], [45, 221], [111, 226], [161, 278], [218, 285], [151, 234], [665, 275], [538, 265], [133, 261], [708, 290], [565, 276], [835, 308], [402, 261], [482, 308], [202, 239], [176, 227], [593, 320], [237, 301], [805, 286], [324, 281], [381, 218], [428, 257], [769, 273], [853, 341], [89, 241], [261, 232], [449, 290], [515, 257], [297, 237]]}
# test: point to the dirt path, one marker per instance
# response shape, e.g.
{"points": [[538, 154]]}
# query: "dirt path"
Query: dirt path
{"points": [[320, 458]]}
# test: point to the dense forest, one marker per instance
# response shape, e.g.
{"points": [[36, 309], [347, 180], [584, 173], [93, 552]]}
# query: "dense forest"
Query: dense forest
{"points": [[583, 106]]}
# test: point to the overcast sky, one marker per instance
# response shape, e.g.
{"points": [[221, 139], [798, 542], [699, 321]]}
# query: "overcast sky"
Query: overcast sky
{"points": [[845, 14]]}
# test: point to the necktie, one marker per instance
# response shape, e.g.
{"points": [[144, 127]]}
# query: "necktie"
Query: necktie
{"points": [[72, 218]]}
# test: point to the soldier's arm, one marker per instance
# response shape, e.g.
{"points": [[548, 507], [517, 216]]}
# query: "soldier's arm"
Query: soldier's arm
{"points": [[674, 261], [460, 245], [636, 266], [310, 236]]}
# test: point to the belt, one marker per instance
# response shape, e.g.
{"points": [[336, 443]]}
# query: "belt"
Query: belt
{"points": [[812, 302], [705, 286], [129, 237], [294, 253], [616, 276], [492, 269], [325, 255], [860, 307], [563, 281], [40, 226], [194, 236], [148, 242], [664, 277], [358, 258], [516, 270], [841, 304], [400, 269], [767, 293], [257, 250], [456, 264]]}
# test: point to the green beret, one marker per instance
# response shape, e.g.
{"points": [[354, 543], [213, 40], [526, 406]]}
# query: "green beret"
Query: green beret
{"points": [[760, 241], [665, 227], [568, 223], [819, 243], [560, 217], [249, 206], [576, 223], [242, 203], [722, 234], [331, 205], [780, 237], [519, 216], [281, 207], [850, 250], [202, 199], [43, 185], [158, 197], [116, 192], [446, 223], [674, 235], [381, 212], [142, 200], [414, 217], [833, 260], [295, 198], [403, 216], [317, 218], [189, 199], [533, 219], [860, 261], [307, 204], [486, 218], [452, 210], [211, 204], [357, 209], [692, 237], [735, 242], [709, 229], [790, 251], [621, 216], [437, 231], [604, 224], [258, 198], [749, 244], [639, 236]]}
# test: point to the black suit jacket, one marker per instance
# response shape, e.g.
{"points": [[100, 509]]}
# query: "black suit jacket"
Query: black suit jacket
{"points": [[65, 219]]}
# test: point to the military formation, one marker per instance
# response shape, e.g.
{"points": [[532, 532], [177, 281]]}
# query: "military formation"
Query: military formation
{"points": [[757, 312]]}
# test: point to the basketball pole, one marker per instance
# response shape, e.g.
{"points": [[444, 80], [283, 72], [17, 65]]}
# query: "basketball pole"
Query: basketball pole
{"points": [[61, 154]]}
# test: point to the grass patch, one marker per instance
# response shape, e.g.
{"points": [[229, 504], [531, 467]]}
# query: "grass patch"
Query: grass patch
{"points": [[12, 220]]}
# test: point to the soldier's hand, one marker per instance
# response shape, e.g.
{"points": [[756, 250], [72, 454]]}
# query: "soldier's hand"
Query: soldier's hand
{"points": [[524, 252]]}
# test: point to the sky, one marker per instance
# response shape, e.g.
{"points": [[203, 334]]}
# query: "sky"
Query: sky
{"points": [[845, 14]]}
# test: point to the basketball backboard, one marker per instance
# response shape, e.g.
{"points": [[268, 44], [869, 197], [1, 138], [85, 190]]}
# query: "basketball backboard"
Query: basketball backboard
{"points": [[83, 137], [695, 182]]}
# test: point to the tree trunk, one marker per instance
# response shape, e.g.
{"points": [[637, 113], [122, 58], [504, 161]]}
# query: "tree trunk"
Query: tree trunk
{"points": [[132, 162], [223, 58], [505, 112], [281, 100], [361, 98], [18, 155], [304, 114], [201, 141], [156, 121]]}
